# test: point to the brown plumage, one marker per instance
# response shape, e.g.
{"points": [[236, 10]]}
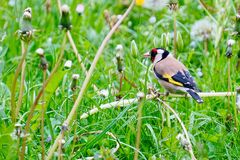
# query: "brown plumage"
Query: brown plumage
{"points": [[172, 74]]}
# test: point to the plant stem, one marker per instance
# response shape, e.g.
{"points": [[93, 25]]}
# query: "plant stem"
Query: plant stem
{"points": [[229, 83], [14, 82], [182, 125], [48, 5], [42, 120], [76, 51], [139, 125], [131, 83], [205, 46], [175, 33], [89, 75], [19, 102], [59, 6], [125, 102], [39, 96]]}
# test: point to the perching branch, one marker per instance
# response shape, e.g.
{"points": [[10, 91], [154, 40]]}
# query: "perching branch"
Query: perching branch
{"points": [[89, 75], [125, 102]]}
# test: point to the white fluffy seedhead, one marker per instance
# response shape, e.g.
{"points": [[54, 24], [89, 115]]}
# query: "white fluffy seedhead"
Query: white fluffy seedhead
{"points": [[230, 42], [65, 8], [27, 14], [40, 51], [80, 8], [68, 64], [119, 47], [140, 95], [75, 76]]}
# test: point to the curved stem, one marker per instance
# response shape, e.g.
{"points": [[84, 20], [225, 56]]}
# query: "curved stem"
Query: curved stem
{"points": [[30, 116], [20, 97], [183, 127], [89, 75], [14, 82]]}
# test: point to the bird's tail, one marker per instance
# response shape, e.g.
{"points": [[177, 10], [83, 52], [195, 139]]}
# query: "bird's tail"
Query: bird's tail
{"points": [[195, 95]]}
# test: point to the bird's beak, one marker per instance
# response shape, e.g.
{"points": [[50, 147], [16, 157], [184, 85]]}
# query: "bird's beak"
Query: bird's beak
{"points": [[146, 55]]}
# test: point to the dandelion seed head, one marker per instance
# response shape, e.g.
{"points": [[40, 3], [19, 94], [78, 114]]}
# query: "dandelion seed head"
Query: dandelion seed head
{"points": [[152, 19], [65, 8], [203, 29], [230, 42], [68, 64], [75, 76], [40, 51], [80, 8]]}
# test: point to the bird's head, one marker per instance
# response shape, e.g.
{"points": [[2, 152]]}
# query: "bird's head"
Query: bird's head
{"points": [[157, 54]]}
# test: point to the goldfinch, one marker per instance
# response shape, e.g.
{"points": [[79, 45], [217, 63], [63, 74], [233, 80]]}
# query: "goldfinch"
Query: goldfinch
{"points": [[172, 74]]}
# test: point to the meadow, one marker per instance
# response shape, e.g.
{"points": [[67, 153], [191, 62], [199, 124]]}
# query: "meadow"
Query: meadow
{"points": [[74, 83]]}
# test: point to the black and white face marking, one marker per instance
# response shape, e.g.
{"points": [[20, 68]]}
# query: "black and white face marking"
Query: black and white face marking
{"points": [[158, 54]]}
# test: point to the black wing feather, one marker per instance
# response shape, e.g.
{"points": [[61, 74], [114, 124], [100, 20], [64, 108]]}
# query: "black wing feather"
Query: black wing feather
{"points": [[186, 79]]}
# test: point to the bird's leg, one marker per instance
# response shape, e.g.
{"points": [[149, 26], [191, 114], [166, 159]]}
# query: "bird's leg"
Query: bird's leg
{"points": [[166, 94]]}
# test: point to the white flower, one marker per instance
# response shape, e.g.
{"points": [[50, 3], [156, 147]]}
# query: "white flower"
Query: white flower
{"points": [[230, 42], [40, 51], [65, 8], [140, 95], [199, 72], [80, 8], [75, 76], [68, 64], [152, 19], [203, 29], [119, 47]]}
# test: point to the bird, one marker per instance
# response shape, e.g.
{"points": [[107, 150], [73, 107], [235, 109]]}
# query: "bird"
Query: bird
{"points": [[172, 74]]}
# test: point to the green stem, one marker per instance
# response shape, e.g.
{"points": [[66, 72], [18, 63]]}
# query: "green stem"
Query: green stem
{"points": [[42, 120], [139, 125], [175, 33], [14, 82], [19, 102]]}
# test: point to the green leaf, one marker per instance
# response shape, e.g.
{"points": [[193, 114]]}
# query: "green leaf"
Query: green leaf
{"points": [[49, 91]]}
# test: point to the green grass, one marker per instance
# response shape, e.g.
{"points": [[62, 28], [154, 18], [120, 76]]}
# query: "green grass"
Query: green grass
{"points": [[212, 136]]}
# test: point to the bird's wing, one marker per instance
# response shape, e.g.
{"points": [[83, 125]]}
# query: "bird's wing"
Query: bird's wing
{"points": [[174, 72]]}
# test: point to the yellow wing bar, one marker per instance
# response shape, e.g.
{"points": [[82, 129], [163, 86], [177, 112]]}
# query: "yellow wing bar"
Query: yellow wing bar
{"points": [[170, 80]]}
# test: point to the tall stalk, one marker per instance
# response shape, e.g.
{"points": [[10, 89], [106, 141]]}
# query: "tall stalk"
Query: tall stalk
{"points": [[14, 109], [20, 97], [139, 125]]}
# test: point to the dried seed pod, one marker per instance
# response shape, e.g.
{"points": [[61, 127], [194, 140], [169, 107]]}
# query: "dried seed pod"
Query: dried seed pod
{"points": [[119, 57], [173, 5], [238, 99], [65, 22], [43, 61], [26, 30], [183, 141], [74, 82]]}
